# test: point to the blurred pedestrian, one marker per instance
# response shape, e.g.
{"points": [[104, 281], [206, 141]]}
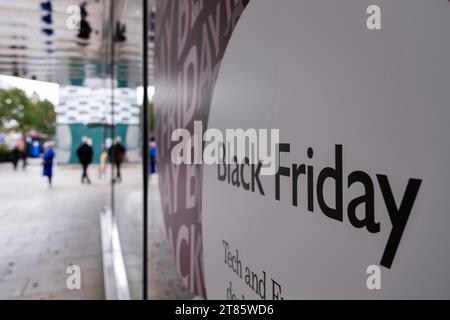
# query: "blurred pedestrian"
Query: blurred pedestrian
{"points": [[15, 156], [85, 153], [117, 155], [47, 162], [22, 147], [152, 155]]}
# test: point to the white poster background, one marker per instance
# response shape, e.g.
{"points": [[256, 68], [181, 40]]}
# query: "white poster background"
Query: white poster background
{"points": [[314, 70]]}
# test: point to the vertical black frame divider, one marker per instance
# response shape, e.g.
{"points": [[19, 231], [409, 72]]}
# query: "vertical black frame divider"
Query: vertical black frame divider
{"points": [[112, 133], [145, 146]]}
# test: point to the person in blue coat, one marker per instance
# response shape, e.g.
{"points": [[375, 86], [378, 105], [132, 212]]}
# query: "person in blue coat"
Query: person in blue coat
{"points": [[47, 163], [152, 155]]}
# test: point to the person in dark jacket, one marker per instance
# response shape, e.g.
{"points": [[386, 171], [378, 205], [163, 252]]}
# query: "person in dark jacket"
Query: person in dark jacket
{"points": [[19, 153], [116, 155], [47, 158], [85, 154]]}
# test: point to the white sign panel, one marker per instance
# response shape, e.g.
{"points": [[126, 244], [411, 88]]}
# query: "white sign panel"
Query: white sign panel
{"points": [[360, 92]]}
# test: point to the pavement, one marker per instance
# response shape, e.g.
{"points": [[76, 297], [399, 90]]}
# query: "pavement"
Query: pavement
{"points": [[164, 282], [45, 230]]}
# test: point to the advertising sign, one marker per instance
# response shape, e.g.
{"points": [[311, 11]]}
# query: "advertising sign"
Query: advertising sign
{"points": [[359, 93]]}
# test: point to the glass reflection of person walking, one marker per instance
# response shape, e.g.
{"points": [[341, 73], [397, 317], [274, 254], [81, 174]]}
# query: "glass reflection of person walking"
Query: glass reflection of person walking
{"points": [[102, 165], [85, 153], [116, 155], [152, 155]]}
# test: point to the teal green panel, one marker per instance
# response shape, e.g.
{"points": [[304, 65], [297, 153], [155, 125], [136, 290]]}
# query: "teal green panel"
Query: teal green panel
{"points": [[79, 130], [122, 83], [76, 82]]}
